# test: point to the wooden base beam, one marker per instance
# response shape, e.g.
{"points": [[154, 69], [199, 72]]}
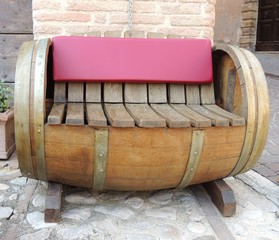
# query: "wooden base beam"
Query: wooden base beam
{"points": [[222, 196], [53, 203]]}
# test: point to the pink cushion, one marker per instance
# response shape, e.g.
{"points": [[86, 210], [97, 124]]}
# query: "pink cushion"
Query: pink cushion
{"points": [[91, 59]]}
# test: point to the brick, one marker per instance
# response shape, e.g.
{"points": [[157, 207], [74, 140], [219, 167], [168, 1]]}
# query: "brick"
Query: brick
{"points": [[100, 18], [147, 19], [47, 29], [45, 4], [273, 166], [191, 21], [182, 8], [105, 6], [62, 16], [144, 7], [118, 18]]}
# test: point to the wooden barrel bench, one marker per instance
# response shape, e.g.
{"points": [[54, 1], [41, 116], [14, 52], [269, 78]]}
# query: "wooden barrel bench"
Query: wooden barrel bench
{"points": [[138, 114]]}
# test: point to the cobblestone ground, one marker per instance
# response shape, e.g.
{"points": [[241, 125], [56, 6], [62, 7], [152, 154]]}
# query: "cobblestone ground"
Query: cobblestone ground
{"points": [[268, 165]]}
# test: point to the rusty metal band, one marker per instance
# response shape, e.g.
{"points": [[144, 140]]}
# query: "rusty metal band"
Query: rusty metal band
{"points": [[40, 82], [194, 158], [101, 159], [21, 108]]}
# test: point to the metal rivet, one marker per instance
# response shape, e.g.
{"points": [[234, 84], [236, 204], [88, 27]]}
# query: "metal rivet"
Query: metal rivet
{"points": [[29, 173], [198, 133], [101, 170], [100, 155], [39, 130], [196, 153], [192, 169]]}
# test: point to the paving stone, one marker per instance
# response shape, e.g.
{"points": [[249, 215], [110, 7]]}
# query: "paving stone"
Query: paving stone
{"points": [[168, 232], [80, 198], [106, 225], [239, 230], [273, 166], [42, 234], [1, 198], [264, 171], [140, 236], [164, 212], [252, 214], [123, 213], [161, 197], [78, 232], [196, 216], [21, 181], [264, 204], [13, 197], [5, 212], [36, 220], [78, 214], [39, 200], [135, 202], [4, 186], [196, 227], [115, 195], [206, 237]]}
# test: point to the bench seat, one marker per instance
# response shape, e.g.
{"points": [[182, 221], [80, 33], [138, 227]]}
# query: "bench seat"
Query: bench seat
{"points": [[127, 82]]}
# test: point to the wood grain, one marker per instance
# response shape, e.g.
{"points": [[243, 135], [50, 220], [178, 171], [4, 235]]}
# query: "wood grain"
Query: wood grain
{"points": [[113, 93], [173, 118], [60, 92], [157, 93], [95, 115], [75, 92], [135, 93], [177, 93], [21, 108], [118, 116], [75, 114], [144, 116], [93, 93], [197, 120], [57, 113]]}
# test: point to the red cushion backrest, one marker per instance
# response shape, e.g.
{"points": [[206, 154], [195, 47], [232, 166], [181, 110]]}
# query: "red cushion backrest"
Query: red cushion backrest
{"points": [[91, 59]]}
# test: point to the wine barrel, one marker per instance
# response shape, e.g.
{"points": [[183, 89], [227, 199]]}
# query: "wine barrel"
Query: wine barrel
{"points": [[139, 158]]}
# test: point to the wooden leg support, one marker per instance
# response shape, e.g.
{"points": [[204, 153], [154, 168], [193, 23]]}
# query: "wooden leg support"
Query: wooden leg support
{"points": [[53, 203], [222, 196]]}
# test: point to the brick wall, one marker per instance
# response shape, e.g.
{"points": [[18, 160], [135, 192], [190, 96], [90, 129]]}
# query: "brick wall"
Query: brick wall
{"points": [[249, 24], [190, 18]]}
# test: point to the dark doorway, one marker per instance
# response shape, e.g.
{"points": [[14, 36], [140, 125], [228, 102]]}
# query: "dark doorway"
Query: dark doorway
{"points": [[268, 26]]}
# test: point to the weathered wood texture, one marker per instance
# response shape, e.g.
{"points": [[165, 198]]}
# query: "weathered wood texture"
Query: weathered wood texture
{"points": [[53, 203], [151, 156], [222, 196]]}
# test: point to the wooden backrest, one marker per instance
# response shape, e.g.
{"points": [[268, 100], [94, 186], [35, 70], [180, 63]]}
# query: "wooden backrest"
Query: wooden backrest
{"points": [[132, 60]]}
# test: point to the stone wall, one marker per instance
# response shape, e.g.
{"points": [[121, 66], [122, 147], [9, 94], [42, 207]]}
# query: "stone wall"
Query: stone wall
{"points": [[194, 18], [249, 24], [228, 21]]}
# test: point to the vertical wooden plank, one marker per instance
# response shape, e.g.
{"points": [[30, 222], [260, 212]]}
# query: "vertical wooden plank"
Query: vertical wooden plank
{"points": [[207, 94], [75, 92], [93, 93], [40, 83], [135, 93], [59, 92], [113, 93], [157, 93], [192, 94], [115, 34], [177, 93], [21, 108]]}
